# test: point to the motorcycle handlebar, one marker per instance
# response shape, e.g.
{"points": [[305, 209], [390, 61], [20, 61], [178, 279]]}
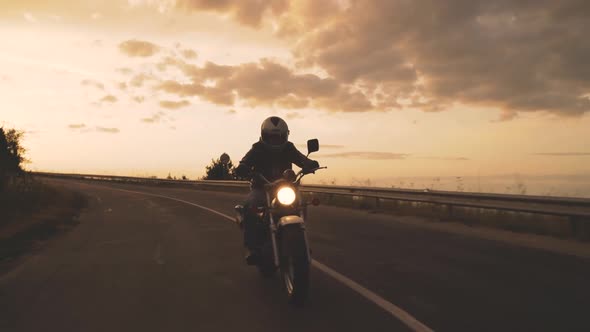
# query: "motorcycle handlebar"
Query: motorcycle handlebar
{"points": [[300, 174]]}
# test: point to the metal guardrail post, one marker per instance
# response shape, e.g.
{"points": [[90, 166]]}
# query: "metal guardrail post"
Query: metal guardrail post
{"points": [[450, 211]]}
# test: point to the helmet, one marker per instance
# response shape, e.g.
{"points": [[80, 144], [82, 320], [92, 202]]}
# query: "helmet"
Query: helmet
{"points": [[274, 133]]}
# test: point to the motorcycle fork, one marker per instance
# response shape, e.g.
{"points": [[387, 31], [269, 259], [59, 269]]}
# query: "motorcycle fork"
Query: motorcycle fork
{"points": [[273, 233], [307, 249]]}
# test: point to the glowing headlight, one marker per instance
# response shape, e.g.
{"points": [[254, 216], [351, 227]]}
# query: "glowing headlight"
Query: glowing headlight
{"points": [[286, 196]]}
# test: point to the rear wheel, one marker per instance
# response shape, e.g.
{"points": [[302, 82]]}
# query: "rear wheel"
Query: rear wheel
{"points": [[294, 264]]}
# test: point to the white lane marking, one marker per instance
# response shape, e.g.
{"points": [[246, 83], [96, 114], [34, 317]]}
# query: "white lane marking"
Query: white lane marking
{"points": [[180, 200], [391, 308], [396, 311]]}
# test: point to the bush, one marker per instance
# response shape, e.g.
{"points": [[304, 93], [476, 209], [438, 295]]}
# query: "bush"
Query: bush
{"points": [[217, 170], [11, 155]]}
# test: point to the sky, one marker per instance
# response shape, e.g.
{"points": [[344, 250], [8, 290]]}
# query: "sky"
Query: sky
{"points": [[391, 88]]}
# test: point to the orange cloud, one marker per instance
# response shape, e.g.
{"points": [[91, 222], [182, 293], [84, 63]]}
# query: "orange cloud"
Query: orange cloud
{"points": [[125, 71], [108, 130], [365, 155], [138, 48], [189, 54], [157, 117], [109, 99], [170, 104], [248, 12], [322, 146], [139, 79], [263, 83], [293, 115], [93, 83], [428, 55]]}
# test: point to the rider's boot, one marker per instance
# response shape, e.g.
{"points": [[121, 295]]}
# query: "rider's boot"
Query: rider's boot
{"points": [[252, 256]]}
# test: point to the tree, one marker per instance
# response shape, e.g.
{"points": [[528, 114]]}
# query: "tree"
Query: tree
{"points": [[11, 153], [218, 170]]}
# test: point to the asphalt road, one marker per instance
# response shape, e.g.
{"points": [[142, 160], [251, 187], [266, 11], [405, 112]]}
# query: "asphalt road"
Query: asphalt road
{"points": [[144, 263]]}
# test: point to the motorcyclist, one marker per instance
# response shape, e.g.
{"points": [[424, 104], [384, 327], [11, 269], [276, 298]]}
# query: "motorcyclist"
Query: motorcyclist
{"points": [[270, 156]]}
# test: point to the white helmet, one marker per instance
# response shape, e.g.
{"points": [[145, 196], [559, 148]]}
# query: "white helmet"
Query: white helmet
{"points": [[274, 133]]}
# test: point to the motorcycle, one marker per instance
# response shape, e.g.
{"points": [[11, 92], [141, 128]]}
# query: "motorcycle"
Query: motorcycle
{"points": [[281, 234]]}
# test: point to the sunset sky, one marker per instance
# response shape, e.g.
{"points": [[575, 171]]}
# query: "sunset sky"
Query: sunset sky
{"points": [[389, 87]]}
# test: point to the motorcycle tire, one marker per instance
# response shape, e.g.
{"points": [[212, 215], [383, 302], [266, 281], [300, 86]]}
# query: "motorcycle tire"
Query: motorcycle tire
{"points": [[294, 264]]}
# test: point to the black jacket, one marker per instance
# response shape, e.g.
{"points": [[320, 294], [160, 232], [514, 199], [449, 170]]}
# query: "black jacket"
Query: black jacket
{"points": [[272, 164]]}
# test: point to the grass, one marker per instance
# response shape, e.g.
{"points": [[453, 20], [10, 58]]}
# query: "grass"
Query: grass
{"points": [[31, 212]]}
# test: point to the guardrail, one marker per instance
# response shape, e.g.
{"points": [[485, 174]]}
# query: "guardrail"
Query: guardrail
{"points": [[576, 209]]}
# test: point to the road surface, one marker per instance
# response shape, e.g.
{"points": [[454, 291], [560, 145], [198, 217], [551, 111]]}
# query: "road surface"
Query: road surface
{"points": [[139, 262]]}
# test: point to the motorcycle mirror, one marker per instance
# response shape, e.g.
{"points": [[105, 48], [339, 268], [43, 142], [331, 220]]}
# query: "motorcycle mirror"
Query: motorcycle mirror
{"points": [[224, 158], [313, 145]]}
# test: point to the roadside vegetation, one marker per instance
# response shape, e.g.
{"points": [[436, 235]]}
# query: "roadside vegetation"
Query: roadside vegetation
{"points": [[30, 210], [218, 170]]}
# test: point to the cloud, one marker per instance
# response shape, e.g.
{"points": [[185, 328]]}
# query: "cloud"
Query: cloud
{"points": [[157, 117], [293, 102], [265, 83], [122, 86], [322, 146], [138, 48], [138, 99], [365, 155], [139, 79], [232, 111], [125, 70], [248, 12], [563, 154], [108, 130], [84, 128], [189, 54], [445, 158], [293, 115], [515, 56], [170, 104], [109, 99], [96, 84]]}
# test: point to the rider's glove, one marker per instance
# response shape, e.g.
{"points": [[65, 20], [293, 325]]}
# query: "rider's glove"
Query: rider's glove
{"points": [[311, 165]]}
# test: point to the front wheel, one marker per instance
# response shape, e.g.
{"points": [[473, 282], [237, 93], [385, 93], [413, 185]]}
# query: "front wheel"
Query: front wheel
{"points": [[294, 264]]}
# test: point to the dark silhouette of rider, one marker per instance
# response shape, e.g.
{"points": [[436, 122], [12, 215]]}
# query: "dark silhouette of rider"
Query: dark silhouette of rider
{"points": [[270, 156]]}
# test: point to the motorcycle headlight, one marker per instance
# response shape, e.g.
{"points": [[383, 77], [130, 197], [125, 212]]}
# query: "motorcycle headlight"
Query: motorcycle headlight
{"points": [[286, 196]]}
